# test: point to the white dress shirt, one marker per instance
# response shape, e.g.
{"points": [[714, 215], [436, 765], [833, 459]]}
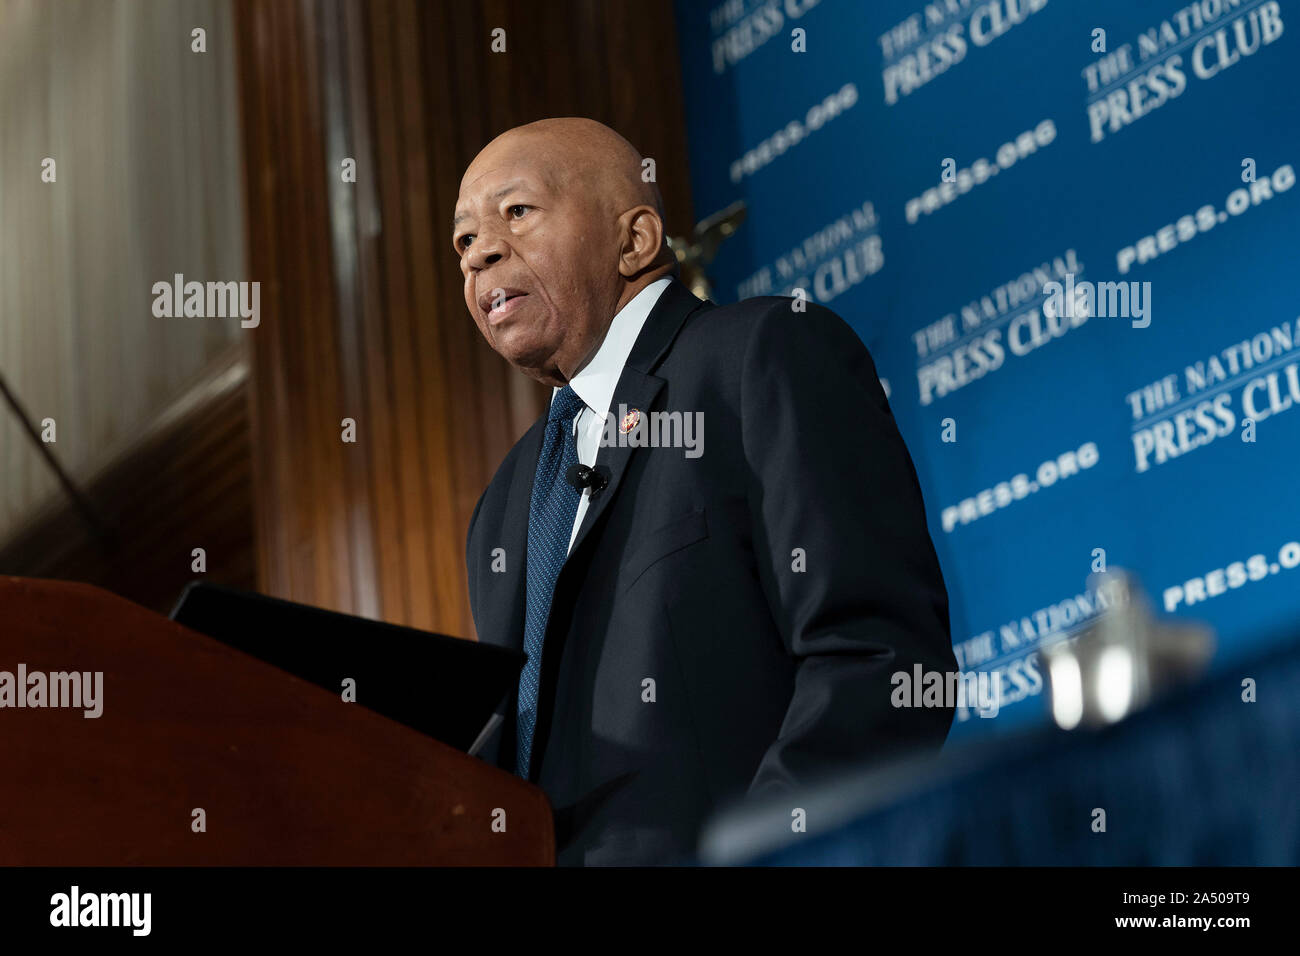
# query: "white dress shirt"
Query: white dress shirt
{"points": [[597, 379]]}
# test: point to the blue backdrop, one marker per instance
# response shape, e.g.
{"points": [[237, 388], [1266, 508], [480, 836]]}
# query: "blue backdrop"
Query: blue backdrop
{"points": [[928, 171]]}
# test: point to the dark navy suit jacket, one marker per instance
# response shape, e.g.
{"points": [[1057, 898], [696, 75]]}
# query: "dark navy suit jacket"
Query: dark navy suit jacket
{"points": [[724, 625]]}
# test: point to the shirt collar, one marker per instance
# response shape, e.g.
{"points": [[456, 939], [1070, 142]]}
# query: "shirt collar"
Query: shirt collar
{"points": [[596, 382]]}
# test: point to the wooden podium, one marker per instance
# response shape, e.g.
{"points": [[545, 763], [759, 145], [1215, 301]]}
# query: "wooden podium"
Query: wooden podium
{"points": [[285, 773]]}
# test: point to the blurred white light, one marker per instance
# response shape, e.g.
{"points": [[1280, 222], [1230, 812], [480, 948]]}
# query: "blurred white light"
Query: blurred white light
{"points": [[1114, 682], [1067, 691]]}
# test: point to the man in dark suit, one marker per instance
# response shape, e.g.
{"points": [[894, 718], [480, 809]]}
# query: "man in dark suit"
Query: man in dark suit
{"points": [[717, 607]]}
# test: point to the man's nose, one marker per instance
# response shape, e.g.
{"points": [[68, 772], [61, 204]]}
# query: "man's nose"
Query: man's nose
{"points": [[486, 249]]}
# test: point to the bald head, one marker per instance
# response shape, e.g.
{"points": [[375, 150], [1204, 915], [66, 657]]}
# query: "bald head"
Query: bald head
{"points": [[556, 231], [587, 156]]}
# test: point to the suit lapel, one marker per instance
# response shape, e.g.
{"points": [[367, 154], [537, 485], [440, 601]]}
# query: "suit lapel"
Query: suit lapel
{"points": [[638, 389], [514, 534]]}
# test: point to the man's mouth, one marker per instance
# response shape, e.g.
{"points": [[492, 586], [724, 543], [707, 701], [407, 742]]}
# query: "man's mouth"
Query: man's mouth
{"points": [[501, 302]]}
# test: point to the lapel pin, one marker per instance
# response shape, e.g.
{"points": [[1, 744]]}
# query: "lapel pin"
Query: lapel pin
{"points": [[629, 421]]}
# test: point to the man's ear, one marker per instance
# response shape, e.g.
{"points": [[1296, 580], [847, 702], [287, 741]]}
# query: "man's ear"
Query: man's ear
{"points": [[643, 237]]}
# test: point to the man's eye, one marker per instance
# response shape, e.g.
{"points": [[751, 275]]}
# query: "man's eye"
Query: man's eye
{"points": [[464, 241], [518, 206]]}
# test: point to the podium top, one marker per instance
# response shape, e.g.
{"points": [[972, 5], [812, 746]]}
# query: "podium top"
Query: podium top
{"points": [[202, 754]]}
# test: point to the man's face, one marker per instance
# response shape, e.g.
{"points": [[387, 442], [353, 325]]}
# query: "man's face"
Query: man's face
{"points": [[540, 260]]}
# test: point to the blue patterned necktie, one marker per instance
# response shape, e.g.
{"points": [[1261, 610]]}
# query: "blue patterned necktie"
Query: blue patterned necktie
{"points": [[550, 525]]}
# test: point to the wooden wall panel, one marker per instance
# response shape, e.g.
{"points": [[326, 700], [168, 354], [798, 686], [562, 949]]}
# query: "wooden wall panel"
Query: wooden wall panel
{"points": [[144, 134], [366, 319], [185, 483]]}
